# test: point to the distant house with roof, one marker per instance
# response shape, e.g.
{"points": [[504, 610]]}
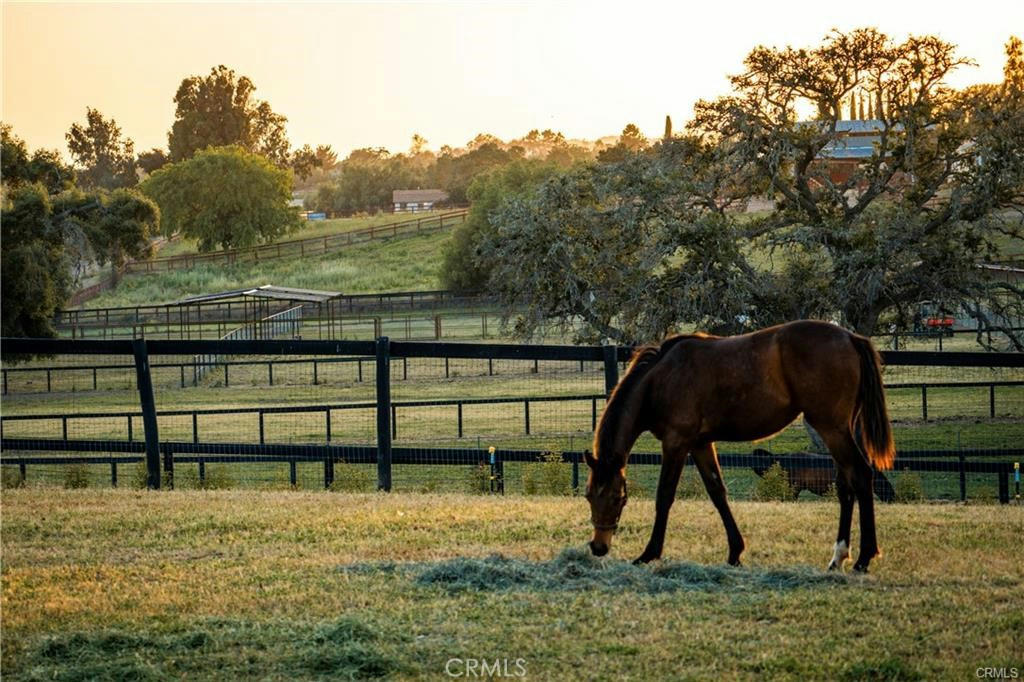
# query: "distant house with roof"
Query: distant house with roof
{"points": [[854, 144], [412, 200]]}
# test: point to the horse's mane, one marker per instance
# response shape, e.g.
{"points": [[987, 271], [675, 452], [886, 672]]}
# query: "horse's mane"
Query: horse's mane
{"points": [[643, 359]]}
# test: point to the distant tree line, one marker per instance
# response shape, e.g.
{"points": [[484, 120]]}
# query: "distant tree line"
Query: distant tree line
{"points": [[365, 180]]}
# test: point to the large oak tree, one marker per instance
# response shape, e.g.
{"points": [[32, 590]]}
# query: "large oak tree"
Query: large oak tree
{"points": [[635, 248]]}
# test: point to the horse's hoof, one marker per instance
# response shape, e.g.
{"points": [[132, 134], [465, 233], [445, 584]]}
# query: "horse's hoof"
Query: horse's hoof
{"points": [[735, 562], [832, 566], [643, 559], [857, 568]]}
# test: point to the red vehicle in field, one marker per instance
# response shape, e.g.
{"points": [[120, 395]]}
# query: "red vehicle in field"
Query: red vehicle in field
{"points": [[933, 319]]}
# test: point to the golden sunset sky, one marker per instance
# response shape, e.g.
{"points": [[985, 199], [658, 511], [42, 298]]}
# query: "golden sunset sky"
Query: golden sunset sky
{"points": [[372, 74]]}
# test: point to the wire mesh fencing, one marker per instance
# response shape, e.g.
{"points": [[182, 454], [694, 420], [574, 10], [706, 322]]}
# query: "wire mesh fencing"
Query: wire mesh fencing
{"points": [[435, 417]]}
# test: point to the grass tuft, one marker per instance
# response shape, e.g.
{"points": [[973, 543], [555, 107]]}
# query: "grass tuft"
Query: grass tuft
{"points": [[888, 670]]}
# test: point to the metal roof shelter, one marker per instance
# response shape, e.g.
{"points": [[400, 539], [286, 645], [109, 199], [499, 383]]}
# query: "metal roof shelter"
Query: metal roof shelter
{"points": [[268, 291], [258, 304]]}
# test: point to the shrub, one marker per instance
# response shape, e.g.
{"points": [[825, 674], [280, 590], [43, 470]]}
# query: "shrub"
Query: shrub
{"points": [[773, 485], [548, 476], [76, 476], [139, 477], [908, 486], [479, 479]]}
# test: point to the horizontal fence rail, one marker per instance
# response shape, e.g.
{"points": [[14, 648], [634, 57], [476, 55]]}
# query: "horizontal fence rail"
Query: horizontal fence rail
{"points": [[390, 431]]}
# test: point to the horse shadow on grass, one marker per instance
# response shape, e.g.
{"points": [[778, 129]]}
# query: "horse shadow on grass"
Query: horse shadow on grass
{"points": [[577, 570]]}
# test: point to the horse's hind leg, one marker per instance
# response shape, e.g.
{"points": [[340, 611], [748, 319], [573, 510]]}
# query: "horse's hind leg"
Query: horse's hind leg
{"points": [[853, 481], [841, 551], [673, 459], [706, 460]]}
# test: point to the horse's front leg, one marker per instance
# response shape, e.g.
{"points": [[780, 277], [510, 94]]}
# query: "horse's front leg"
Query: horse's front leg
{"points": [[673, 458], [706, 460]]}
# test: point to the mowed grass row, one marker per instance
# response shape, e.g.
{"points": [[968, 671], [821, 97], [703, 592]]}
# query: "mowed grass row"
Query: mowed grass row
{"points": [[285, 585]]}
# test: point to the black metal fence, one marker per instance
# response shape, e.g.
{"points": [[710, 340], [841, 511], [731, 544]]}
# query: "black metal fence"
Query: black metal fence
{"points": [[444, 416]]}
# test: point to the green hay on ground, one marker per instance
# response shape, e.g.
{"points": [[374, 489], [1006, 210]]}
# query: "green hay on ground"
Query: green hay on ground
{"points": [[577, 570], [345, 649]]}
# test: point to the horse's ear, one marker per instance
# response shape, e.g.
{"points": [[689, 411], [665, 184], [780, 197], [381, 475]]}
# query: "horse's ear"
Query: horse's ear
{"points": [[591, 461]]}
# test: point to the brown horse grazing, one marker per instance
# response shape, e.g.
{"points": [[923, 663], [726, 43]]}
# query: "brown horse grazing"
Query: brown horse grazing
{"points": [[693, 390]]}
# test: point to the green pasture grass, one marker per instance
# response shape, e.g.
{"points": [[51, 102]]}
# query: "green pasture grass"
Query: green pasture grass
{"points": [[102, 584], [402, 264], [309, 229]]}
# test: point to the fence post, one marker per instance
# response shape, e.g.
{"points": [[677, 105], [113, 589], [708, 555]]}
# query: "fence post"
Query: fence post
{"points": [[992, 401], [611, 368], [924, 403], [575, 473], [169, 465], [148, 405], [383, 414], [963, 474]]}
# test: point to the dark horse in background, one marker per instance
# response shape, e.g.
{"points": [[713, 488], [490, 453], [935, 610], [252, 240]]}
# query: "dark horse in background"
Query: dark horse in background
{"points": [[816, 479], [693, 390]]}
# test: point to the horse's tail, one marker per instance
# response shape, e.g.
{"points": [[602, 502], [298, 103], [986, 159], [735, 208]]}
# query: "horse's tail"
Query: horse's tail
{"points": [[874, 417]]}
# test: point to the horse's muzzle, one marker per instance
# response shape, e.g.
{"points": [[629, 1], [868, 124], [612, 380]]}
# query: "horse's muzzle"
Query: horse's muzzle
{"points": [[598, 548]]}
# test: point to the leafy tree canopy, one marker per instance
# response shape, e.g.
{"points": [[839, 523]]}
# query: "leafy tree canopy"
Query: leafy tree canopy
{"points": [[153, 160], [365, 180], [107, 160], [42, 166], [460, 269], [631, 141], [224, 197], [220, 109], [641, 245], [48, 237]]}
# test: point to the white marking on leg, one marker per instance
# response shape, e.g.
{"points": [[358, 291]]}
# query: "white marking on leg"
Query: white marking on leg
{"points": [[840, 553]]}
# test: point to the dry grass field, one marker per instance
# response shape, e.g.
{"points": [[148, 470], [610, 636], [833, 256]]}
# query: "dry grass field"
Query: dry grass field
{"points": [[245, 584]]}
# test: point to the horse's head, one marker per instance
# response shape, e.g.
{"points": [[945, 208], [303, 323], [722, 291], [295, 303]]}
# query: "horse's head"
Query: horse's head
{"points": [[606, 492]]}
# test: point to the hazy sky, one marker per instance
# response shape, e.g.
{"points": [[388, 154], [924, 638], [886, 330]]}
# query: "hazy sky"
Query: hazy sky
{"points": [[372, 74]]}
